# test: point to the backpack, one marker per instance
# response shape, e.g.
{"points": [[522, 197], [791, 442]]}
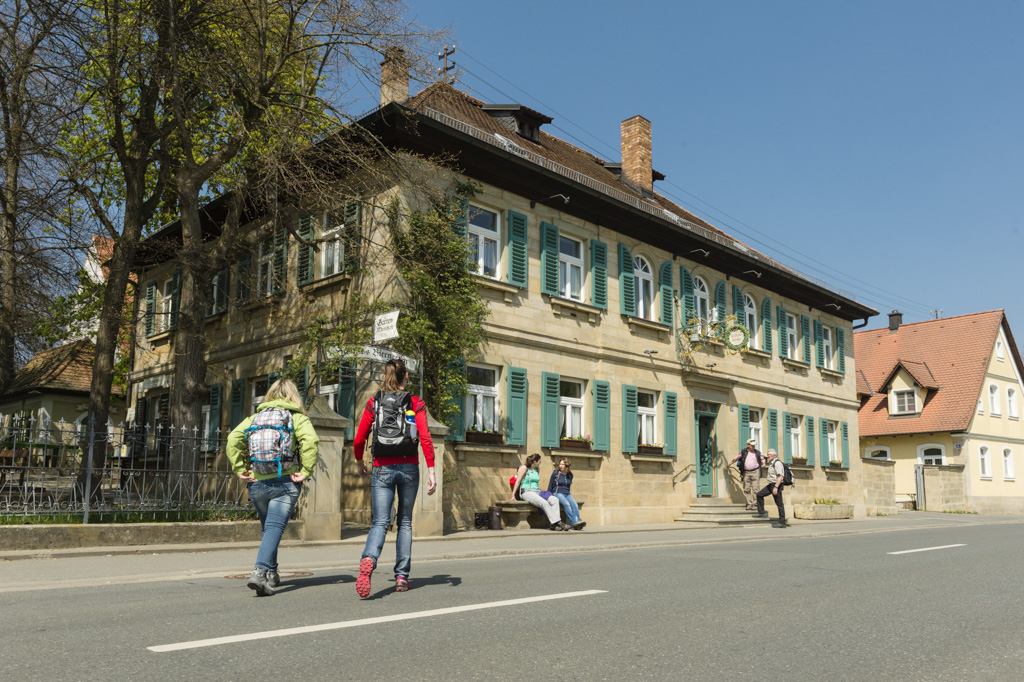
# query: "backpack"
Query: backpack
{"points": [[512, 484], [394, 425], [270, 438], [787, 476]]}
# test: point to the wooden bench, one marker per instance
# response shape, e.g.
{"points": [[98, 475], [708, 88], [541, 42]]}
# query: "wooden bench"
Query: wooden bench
{"points": [[522, 515]]}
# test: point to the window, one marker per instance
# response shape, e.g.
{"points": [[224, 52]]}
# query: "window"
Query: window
{"points": [[791, 336], [878, 452], [984, 466], [219, 295], [1008, 464], [265, 268], [329, 389], [755, 428], [931, 453], [208, 442], [647, 418], [993, 400], [166, 306], [570, 268], [826, 344], [750, 320], [702, 301], [981, 407], [481, 398], [643, 285], [794, 436], [259, 391], [332, 258], [1000, 352], [570, 409], [484, 235], [1011, 403], [833, 451], [906, 401]]}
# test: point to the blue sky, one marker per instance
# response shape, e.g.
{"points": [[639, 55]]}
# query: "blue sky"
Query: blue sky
{"points": [[877, 146]]}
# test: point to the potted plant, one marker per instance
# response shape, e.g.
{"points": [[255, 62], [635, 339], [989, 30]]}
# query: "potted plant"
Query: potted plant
{"points": [[484, 437], [576, 443], [650, 449], [800, 461]]}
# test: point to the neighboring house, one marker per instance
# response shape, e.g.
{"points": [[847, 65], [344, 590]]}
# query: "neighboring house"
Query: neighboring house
{"points": [[945, 394], [606, 301]]}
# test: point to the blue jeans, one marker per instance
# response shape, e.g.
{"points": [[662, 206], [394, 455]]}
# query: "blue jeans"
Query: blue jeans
{"points": [[404, 478], [274, 500], [572, 510]]}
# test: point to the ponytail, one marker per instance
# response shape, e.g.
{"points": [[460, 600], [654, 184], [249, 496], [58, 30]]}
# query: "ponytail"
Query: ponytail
{"points": [[394, 375]]}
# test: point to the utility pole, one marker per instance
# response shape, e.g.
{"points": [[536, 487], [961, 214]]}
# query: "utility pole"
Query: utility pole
{"points": [[443, 55], [937, 313]]}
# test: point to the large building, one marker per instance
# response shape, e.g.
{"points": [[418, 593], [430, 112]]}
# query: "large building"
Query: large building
{"points": [[624, 332]]}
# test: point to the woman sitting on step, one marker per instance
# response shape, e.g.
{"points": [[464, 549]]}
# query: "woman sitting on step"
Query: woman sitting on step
{"points": [[528, 486]]}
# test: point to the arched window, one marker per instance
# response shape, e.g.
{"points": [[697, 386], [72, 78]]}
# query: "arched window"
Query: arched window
{"points": [[1008, 464], [643, 285], [993, 400], [984, 466], [750, 320], [702, 301], [1011, 403], [931, 453]]}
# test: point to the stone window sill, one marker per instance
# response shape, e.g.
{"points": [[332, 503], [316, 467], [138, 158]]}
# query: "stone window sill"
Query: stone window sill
{"points": [[507, 452], [757, 353], [636, 323], [796, 365], [343, 279], [834, 374], [161, 337], [567, 307], [665, 460], [257, 303], [503, 288]]}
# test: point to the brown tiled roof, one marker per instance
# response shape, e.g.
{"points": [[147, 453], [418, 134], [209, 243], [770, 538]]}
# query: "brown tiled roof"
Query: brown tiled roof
{"points": [[67, 368], [950, 354]]}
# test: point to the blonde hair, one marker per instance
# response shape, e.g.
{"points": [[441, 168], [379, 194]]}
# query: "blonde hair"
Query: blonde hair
{"points": [[395, 375], [567, 463], [285, 389]]}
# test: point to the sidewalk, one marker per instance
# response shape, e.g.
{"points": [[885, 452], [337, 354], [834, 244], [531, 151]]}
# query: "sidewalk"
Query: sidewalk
{"points": [[48, 569]]}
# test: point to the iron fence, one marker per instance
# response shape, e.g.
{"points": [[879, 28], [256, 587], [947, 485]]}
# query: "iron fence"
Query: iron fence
{"points": [[75, 473]]}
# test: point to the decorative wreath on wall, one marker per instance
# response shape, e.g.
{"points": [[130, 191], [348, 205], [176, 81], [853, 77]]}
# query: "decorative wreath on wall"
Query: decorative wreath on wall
{"points": [[736, 337]]}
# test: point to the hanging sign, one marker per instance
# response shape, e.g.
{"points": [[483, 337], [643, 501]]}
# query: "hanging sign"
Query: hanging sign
{"points": [[385, 327], [382, 355]]}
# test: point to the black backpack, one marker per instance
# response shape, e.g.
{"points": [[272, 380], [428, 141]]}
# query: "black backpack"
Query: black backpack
{"points": [[394, 425], [787, 476]]}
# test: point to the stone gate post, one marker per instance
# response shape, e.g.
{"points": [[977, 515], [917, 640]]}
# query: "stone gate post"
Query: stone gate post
{"points": [[320, 505]]}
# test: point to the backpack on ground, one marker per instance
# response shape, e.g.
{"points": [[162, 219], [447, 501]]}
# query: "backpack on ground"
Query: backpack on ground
{"points": [[394, 425], [270, 438], [787, 476]]}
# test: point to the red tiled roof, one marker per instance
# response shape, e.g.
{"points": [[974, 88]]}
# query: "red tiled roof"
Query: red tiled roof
{"points": [[951, 354], [64, 368]]}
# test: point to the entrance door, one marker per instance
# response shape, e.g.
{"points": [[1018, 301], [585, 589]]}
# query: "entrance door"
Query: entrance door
{"points": [[705, 455]]}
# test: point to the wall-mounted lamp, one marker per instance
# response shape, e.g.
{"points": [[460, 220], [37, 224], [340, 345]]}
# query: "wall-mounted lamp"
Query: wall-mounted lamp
{"points": [[755, 273], [533, 204], [704, 251], [710, 365], [649, 353], [833, 305]]}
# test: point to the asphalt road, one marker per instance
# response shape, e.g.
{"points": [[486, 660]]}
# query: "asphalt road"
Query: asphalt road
{"points": [[802, 608]]}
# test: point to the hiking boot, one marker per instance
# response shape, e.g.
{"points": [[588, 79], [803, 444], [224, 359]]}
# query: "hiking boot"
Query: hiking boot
{"points": [[562, 525], [401, 584], [759, 515], [556, 526], [363, 581], [273, 578], [258, 582], [779, 524]]}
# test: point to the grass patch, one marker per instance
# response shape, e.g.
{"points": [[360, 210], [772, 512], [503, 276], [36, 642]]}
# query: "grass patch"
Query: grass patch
{"points": [[830, 501], [957, 511]]}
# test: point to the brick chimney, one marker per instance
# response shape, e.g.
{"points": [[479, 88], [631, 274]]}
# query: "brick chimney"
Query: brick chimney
{"points": [[636, 153], [394, 76], [895, 320]]}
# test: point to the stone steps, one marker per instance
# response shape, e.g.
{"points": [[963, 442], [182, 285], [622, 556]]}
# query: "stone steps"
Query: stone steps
{"points": [[711, 513]]}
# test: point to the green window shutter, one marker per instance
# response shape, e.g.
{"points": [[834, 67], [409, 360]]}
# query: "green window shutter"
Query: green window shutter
{"points": [[213, 431], [840, 350], [271, 378], [175, 297], [352, 235], [810, 440], [720, 297], [787, 438], [629, 423], [305, 257], [845, 428], [244, 279], [280, 259], [737, 306], [766, 325], [665, 282], [602, 416], [237, 402], [744, 429], [220, 301], [599, 274], [346, 406], [783, 337], [805, 333], [302, 383], [773, 430], [515, 421], [549, 434], [461, 221], [549, 259], [689, 305], [671, 420], [823, 439], [819, 343], [457, 430], [150, 308], [627, 290], [517, 249]]}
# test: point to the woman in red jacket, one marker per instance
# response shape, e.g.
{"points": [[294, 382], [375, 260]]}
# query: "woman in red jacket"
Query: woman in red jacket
{"points": [[396, 470]]}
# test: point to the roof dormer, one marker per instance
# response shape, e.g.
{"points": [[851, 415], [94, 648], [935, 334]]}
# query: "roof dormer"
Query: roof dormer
{"points": [[522, 121]]}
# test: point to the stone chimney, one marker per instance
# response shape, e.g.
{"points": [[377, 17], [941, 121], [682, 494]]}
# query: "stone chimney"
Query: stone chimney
{"points": [[636, 153], [895, 320], [394, 76]]}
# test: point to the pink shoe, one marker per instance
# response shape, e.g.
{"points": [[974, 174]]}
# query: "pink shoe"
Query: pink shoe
{"points": [[363, 581], [401, 584]]}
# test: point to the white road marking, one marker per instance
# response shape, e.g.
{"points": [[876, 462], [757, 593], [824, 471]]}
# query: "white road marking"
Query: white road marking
{"points": [[216, 641], [925, 549]]}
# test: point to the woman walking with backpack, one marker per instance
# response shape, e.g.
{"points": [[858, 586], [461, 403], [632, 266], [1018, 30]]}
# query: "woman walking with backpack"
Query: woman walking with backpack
{"points": [[399, 422], [262, 452]]}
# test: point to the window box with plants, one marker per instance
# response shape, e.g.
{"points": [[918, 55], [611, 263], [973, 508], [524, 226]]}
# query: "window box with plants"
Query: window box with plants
{"points": [[577, 443], [650, 449], [799, 462], [485, 437]]}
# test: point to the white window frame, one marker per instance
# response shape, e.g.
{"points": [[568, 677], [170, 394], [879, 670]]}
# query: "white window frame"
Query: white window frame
{"points": [[265, 268], [870, 452], [832, 428], [475, 410], [904, 409], [569, 406], [794, 435], [207, 442], [1011, 403], [750, 320], [330, 393], [984, 463], [332, 256], [218, 283], [826, 344], [1008, 464], [166, 304], [702, 304], [258, 399], [924, 447], [478, 236], [643, 287], [792, 336], [647, 419], [756, 414], [567, 266], [981, 405], [1000, 350], [994, 408]]}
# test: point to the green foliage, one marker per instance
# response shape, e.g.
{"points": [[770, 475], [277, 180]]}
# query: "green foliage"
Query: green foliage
{"points": [[830, 501]]}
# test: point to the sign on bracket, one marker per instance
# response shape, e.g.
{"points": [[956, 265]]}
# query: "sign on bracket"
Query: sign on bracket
{"points": [[385, 327]]}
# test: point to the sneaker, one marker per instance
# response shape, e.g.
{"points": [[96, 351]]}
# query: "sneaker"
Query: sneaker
{"points": [[273, 578], [555, 526], [578, 526], [780, 524], [258, 582], [363, 581], [562, 525], [401, 584], [759, 515]]}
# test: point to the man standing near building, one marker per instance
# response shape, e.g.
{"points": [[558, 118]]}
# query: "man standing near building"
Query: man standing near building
{"points": [[776, 472], [749, 463]]}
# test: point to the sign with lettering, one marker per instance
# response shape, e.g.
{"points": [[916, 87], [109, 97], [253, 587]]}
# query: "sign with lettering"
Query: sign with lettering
{"points": [[382, 355], [385, 327]]}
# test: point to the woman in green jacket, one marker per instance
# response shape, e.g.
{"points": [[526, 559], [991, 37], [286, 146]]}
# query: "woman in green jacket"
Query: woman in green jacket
{"points": [[274, 483]]}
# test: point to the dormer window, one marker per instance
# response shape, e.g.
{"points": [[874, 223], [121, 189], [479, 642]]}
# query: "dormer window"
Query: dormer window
{"points": [[518, 119], [906, 402]]}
